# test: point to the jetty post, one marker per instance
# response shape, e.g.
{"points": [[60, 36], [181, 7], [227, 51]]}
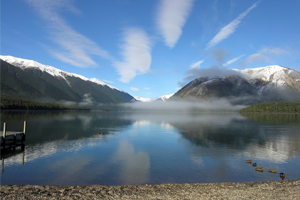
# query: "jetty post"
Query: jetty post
{"points": [[4, 129], [4, 134], [2, 165], [24, 127], [23, 135]]}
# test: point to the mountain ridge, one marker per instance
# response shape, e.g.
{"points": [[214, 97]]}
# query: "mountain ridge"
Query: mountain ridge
{"points": [[25, 63], [32, 80], [246, 86]]}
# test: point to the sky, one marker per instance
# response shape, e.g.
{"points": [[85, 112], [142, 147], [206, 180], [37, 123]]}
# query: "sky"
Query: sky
{"points": [[151, 48]]}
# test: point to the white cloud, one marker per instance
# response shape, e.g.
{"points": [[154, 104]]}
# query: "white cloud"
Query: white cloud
{"points": [[232, 60], [136, 51], [229, 29], [73, 47], [257, 57], [275, 51], [212, 71], [134, 89], [196, 64], [147, 88], [171, 17], [263, 55]]}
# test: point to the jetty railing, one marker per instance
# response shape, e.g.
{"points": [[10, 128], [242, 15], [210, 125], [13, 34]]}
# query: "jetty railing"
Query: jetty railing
{"points": [[12, 139]]}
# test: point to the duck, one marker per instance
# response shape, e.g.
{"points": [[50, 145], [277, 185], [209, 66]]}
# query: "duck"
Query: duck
{"points": [[254, 164], [249, 161], [260, 169], [272, 171], [100, 133], [282, 176]]}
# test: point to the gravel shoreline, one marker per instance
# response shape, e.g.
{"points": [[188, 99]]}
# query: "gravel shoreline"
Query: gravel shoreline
{"points": [[287, 189]]}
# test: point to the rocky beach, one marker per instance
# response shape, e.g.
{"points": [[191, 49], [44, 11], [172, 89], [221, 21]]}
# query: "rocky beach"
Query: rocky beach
{"points": [[287, 189]]}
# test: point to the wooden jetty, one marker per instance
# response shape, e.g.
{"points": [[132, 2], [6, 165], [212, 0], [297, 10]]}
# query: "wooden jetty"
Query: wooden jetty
{"points": [[12, 139]]}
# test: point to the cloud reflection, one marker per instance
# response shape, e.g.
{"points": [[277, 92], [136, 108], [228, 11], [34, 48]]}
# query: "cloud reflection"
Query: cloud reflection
{"points": [[134, 165]]}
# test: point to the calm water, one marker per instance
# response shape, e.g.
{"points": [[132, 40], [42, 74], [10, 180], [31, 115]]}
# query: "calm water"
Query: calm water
{"points": [[64, 148]]}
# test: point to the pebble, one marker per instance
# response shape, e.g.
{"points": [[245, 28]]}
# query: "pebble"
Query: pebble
{"points": [[287, 189]]}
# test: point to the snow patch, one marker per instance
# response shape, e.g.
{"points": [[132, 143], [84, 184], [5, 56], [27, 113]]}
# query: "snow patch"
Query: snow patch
{"points": [[166, 97]]}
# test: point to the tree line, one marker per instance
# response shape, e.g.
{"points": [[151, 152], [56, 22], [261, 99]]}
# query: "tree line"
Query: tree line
{"points": [[17, 103], [274, 107]]}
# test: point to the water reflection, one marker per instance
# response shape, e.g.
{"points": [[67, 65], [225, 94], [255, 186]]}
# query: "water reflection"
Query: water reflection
{"points": [[134, 165], [140, 148]]}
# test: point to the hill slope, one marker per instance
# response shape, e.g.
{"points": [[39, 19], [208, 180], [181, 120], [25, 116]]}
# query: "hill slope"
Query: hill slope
{"points": [[271, 83], [32, 80], [274, 107]]}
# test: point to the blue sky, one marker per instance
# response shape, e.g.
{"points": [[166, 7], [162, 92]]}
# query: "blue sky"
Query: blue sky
{"points": [[151, 48]]}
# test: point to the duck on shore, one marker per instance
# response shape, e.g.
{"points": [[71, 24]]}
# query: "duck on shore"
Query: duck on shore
{"points": [[282, 176]]}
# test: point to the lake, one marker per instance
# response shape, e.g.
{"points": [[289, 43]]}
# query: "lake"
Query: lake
{"points": [[118, 148]]}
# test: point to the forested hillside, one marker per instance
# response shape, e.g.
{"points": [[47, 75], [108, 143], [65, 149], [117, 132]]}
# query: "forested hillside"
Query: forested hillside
{"points": [[274, 107]]}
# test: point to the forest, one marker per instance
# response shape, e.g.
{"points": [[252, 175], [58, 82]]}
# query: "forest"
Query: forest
{"points": [[17, 103], [274, 107]]}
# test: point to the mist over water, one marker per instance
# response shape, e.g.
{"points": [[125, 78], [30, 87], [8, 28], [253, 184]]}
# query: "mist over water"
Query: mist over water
{"points": [[193, 104]]}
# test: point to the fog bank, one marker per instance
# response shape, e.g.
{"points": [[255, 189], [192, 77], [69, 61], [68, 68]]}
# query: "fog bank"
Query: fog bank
{"points": [[211, 105]]}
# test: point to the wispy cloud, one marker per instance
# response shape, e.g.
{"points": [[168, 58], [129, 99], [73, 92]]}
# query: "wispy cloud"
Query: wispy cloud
{"points": [[232, 61], [171, 17], [257, 57], [229, 29], [136, 52], [264, 55], [275, 51], [219, 55], [196, 64], [212, 71], [134, 89], [73, 47], [147, 88]]}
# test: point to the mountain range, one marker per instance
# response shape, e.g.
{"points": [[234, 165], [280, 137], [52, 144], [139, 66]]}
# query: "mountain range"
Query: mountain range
{"points": [[249, 86], [32, 80]]}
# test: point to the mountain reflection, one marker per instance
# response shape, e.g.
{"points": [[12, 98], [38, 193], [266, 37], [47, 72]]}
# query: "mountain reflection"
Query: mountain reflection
{"points": [[257, 138], [112, 148], [73, 130]]}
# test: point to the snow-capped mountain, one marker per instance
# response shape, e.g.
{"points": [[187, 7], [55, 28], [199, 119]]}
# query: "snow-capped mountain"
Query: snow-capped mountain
{"points": [[33, 80], [24, 64], [271, 83], [164, 97], [142, 99], [273, 76], [161, 98]]}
